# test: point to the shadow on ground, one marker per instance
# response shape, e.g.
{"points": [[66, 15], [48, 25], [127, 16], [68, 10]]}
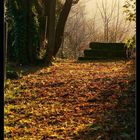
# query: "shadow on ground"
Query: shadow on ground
{"points": [[116, 123], [17, 71]]}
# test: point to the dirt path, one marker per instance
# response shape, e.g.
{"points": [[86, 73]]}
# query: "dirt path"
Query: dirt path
{"points": [[69, 101]]}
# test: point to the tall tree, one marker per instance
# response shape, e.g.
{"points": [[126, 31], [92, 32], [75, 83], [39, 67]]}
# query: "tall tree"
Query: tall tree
{"points": [[24, 29], [61, 24], [34, 28], [29, 25], [51, 31], [42, 8], [75, 31], [114, 24]]}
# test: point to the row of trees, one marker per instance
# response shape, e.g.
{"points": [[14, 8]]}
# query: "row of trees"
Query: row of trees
{"points": [[36, 25], [37, 31]]}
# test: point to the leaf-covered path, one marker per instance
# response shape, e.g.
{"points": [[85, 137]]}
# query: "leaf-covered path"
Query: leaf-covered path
{"points": [[72, 101]]}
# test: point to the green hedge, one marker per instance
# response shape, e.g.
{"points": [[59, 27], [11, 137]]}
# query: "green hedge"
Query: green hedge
{"points": [[107, 46], [104, 53]]}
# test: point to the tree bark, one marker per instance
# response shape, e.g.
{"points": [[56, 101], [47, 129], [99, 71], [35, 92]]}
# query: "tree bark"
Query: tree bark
{"points": [[29, 35], [5, 46], [61, 25], [51, 31]]}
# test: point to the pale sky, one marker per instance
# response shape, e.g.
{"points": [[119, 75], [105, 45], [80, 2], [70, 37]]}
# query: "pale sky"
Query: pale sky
{"points": [[91, 5], [92, 10]]}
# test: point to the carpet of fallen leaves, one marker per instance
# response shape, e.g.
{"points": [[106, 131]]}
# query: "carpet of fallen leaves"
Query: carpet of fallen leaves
{"points": [[72, 101]]}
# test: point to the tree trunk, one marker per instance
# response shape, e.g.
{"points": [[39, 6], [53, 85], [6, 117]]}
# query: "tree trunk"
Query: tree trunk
{"points": [[51, 31], [5, 46], [61, 25], [29, 35]]}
